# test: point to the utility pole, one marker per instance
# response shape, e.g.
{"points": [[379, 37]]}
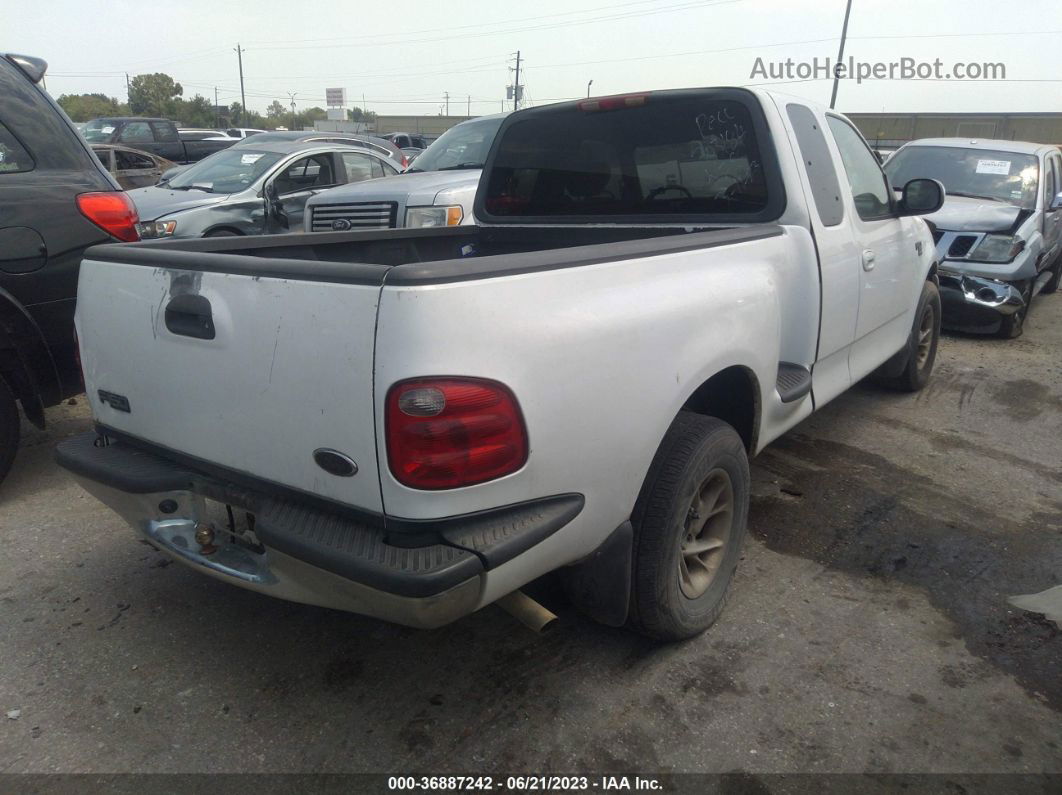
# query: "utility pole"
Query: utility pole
{"points": [[588, 88], [516, 87], [292, 95], [840, 54], [127, 88], [468, 112], [243, 99], [446, 95]]}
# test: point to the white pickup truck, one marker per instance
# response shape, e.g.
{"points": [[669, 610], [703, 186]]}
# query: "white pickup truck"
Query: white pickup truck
{"points": [[413, 424]]}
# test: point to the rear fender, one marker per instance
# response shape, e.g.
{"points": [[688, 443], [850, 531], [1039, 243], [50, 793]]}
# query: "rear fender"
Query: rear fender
{"points": [[25, 360]]}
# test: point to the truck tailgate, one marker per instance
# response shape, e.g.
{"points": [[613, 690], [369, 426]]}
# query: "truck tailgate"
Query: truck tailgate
{"points": [[288, 370]]}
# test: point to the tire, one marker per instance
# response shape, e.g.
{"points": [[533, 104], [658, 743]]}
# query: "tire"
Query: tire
{"points": [[222, 233], [9, 428], [921, 345], [1012, 326], [1056, 277], [672, 597]]}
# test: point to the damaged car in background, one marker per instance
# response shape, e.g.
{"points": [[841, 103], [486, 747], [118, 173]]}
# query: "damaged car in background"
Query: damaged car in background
{"points": [[251, 190], [999, 234]]}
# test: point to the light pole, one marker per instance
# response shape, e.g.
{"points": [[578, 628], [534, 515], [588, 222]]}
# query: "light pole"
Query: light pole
{"points": [[588, 88], [292, 95], [840, 54]]}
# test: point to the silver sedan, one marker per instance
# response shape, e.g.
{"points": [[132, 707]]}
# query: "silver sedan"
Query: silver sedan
{"points": [[252, 190]]}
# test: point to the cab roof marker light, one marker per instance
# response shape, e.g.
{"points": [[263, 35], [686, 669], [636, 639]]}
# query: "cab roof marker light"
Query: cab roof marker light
{"points": [[613, 103]]}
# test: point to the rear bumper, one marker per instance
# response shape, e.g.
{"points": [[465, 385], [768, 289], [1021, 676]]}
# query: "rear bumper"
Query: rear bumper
{"points": [[976, 303], [422, 574]]}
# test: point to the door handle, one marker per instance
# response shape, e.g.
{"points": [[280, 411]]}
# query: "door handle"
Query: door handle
{"points": [[190, 316], [868, 259]]}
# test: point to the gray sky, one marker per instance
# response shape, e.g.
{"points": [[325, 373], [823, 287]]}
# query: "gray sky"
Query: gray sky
{"points": [[404, 55]]}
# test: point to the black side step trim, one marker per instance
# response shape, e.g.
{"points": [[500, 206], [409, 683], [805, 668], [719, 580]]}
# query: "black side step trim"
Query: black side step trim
{"points": [[793, 382]]}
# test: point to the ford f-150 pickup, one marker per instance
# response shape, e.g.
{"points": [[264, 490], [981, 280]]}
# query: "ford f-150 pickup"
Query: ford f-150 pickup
{"points": [[413, 424]]}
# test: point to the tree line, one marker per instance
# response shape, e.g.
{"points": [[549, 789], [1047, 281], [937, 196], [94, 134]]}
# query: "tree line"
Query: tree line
{"points": [[159, 95]]}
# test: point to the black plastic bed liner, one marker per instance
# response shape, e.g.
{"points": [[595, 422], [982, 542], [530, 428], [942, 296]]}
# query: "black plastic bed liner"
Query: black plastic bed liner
{"points": [[423, 256]]}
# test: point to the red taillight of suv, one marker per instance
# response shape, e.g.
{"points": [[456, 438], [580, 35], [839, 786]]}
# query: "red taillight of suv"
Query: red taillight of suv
{"points": [[444, 433], [113, 212], [405, 161]]}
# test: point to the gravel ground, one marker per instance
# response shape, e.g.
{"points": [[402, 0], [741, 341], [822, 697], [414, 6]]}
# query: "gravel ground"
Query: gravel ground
{"points": [[868, 628]]}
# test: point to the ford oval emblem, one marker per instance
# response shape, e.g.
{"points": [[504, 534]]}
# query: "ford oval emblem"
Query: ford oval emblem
{"points": [[335, 463], [341, 225]]}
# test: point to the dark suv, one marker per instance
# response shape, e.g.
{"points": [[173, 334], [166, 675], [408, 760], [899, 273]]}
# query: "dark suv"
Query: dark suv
{"points": [[56, 199]]}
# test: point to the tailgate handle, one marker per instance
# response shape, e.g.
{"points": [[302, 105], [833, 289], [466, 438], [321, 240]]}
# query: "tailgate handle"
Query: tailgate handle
{"points": [[190, 316]]}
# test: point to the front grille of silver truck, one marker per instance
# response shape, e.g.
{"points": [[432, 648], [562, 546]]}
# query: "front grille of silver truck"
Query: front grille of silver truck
{"points": [[354, 215]]}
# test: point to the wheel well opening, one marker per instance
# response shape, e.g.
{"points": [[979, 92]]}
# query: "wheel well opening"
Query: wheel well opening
{"points": [[732, 396]]}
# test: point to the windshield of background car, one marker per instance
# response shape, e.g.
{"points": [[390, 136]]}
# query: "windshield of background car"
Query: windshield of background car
{"points": [[680, 155], [98, 130], [982, 173], [228, 171], [463, 146]]}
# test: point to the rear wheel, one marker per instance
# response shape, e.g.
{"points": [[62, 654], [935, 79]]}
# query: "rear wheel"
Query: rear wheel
{"points": [[1012, 326], [9, 428], [689, 527], [222, 233]]}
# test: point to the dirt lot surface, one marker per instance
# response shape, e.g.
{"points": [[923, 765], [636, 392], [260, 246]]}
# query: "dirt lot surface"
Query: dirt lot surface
{"points": [[868, 629]]}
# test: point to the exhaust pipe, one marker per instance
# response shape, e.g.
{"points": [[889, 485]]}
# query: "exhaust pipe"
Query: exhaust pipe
{"points": [[527, 611]]}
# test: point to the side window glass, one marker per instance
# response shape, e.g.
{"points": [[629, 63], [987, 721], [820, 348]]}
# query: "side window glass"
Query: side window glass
{"points": [[306, 174], [377, 168], [869, 189], [13, 156], [164, 132], [358, 166], [132, 160], [136, 132], [818, 164], [104, 156]]}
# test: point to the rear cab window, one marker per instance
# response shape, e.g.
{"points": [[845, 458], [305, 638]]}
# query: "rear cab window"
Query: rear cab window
{"points": [[677, 156], [14, 157]]}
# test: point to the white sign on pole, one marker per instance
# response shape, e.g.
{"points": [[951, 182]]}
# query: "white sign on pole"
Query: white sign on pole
{"points": [[335, 97]]}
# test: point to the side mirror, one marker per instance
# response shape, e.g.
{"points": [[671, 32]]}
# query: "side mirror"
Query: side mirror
{"points": [[273, 206], [1056, 203], [921, 197]]}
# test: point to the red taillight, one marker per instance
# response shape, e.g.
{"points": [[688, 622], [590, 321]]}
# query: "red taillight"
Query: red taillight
{"points": [[113, 212], [405, 161], [444, 433], [614, 103]]}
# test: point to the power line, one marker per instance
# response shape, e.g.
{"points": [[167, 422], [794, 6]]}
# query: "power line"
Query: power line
{"points": [[463, 27], [686, 6]]}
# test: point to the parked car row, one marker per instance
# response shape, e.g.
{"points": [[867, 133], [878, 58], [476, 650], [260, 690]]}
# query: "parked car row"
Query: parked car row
{"points": [[157, 137]]}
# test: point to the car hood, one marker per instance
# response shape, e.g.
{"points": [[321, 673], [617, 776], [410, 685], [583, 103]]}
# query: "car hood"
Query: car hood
{"points": [[153, 202], [964, 214], [408, 189]]}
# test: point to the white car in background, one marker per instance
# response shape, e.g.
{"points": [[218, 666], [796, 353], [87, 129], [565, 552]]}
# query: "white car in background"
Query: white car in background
{"points": [[242, 132], [437, 190]]}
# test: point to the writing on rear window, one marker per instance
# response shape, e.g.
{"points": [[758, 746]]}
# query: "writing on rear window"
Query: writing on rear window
{"points": [[680, 156]]}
